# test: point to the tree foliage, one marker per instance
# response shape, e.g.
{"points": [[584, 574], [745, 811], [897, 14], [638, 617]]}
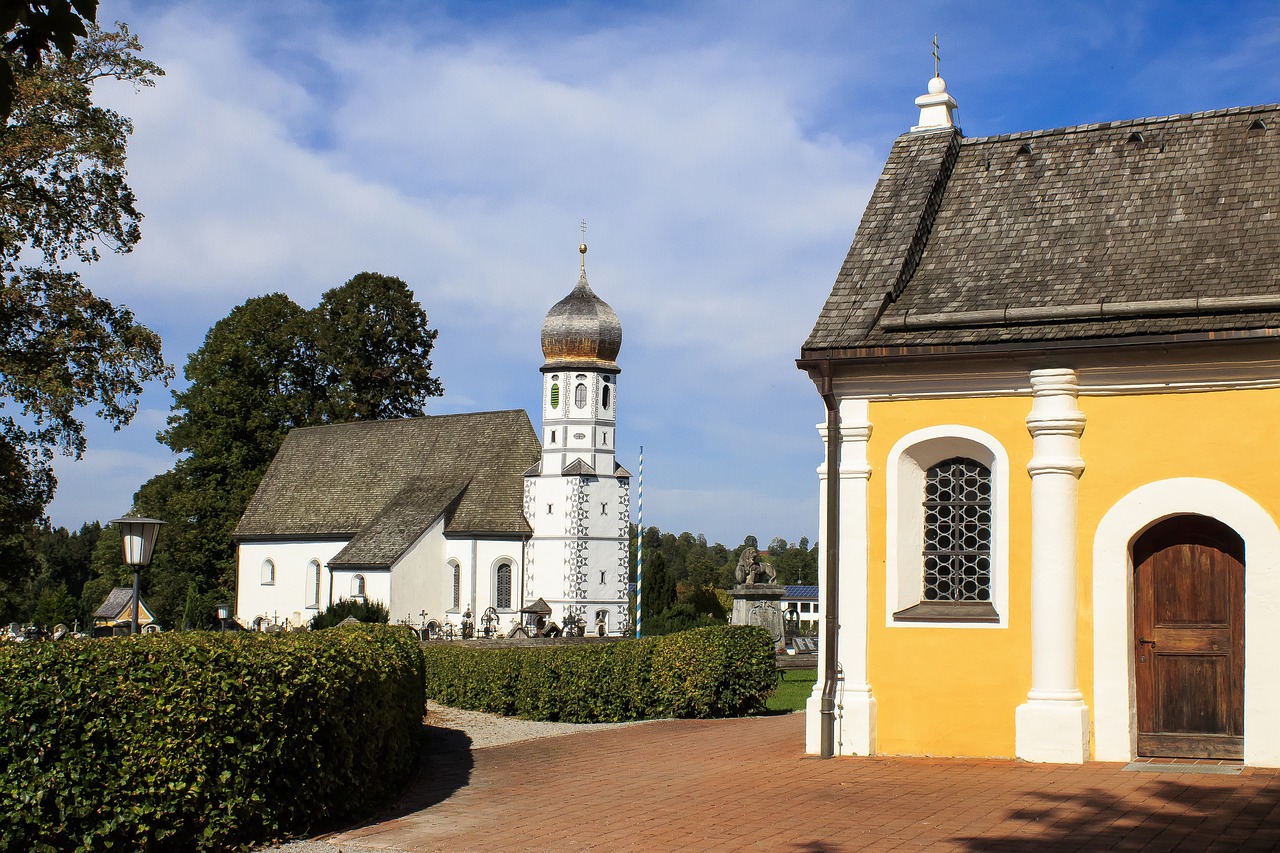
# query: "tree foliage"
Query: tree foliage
{"points": [[31, 29], [685, 577], [44, 561], [363, 611], [374, 349], [63, 194]]}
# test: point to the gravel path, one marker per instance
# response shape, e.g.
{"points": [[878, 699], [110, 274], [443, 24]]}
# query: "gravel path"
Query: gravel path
{"points": [[485, 731]]}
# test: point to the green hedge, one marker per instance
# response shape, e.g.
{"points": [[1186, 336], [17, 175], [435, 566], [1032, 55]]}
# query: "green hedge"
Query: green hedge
{"points": [[707, 672], [201, 741]]}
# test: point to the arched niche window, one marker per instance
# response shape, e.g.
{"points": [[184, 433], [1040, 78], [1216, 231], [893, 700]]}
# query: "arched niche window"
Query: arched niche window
{"points": [[947, 537], [357, 586], [313, 584], [555, 395], [457, 585], [606, 395], [580, 395], [268, 572], [502, 587]]}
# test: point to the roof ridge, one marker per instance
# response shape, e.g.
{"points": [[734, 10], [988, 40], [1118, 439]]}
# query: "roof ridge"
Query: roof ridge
{"points": [[366, 422], [1120, 123]]}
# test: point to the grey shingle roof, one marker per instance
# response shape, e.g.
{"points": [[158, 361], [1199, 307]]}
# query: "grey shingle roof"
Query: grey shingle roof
{"points": [[117, 600], [1144, 227], [383, 483]]}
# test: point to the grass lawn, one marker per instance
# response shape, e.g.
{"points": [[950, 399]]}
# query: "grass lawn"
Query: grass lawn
{"points": [[793, 689]]}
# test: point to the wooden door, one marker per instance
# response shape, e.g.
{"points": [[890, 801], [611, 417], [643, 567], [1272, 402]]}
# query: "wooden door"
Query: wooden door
{"points": [[1189, 639]]}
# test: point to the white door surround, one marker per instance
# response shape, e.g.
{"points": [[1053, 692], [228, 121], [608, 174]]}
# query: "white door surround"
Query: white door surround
{"points": [[1115, 721]]}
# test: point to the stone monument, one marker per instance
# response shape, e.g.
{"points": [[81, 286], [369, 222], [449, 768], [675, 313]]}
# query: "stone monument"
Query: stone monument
{"points": [[758, 604]]}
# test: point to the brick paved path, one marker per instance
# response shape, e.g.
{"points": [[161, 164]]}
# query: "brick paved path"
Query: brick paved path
{"points": [[729, 785]]}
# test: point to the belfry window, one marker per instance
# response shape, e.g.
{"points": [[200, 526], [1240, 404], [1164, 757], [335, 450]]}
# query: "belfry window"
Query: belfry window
{"points": [[957, 531], [555, 395], [580, 395], [605, 395]]}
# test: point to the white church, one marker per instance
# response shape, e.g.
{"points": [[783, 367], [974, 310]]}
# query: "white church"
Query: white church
{"points": [[440, 516]]}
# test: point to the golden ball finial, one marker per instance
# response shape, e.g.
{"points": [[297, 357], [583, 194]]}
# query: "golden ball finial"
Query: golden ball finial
{"points": [[583, 248]]}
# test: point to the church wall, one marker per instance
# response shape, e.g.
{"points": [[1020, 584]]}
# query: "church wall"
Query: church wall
{"points": [[286, 597], [420, 579], [377, 584], [953, 689], [948, 690], [1227, 441]]}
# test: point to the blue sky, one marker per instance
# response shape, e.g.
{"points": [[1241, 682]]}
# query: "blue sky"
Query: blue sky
{"points": [[721, 154]]}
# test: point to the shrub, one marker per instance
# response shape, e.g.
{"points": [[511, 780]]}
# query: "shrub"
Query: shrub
{"points": [[201, 741], [708, 672], [364, 611]]}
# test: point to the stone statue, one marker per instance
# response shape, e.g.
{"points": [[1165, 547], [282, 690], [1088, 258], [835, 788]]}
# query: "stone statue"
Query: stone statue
{"points": [[750, 565]]}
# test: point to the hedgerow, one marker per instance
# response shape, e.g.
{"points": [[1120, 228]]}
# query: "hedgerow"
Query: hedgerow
{"points": [[201, 741], [722, 671]]}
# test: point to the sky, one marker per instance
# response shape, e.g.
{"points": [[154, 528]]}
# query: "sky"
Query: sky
{"points": [[720, 153]]}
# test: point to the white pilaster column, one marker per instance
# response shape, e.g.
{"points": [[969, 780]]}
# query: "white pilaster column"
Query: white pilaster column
{"points": [[1053, 725], [855, 705]]}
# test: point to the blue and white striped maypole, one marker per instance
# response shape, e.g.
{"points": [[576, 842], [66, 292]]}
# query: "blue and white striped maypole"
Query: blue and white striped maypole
{"points": [[639, 539]]}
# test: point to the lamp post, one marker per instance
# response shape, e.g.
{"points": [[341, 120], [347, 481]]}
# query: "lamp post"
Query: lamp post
{"points": [[139, 536]]}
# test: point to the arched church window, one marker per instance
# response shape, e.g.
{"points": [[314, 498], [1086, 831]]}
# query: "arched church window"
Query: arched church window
{"points": [[957, 531], [313, 584], [580, 395], [503, 587], [607, 394], [555, 395], [357, 586], [268, 572], [457, 585]]}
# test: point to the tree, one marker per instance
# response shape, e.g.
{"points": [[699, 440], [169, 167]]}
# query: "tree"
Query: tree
{"points": [[31, 29], [62, 195], [56, 605], [374, 344]]}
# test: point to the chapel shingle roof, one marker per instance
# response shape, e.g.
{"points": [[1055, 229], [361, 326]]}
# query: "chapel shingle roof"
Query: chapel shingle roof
{"points": [[1152, 226], [383, 483]]}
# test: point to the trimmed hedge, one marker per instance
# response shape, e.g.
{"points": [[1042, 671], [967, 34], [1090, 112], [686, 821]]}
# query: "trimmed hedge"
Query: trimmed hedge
{"points": [[724, 671], [202, 741]]}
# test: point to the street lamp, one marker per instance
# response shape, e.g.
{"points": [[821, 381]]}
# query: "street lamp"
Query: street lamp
{"points": [[139, 535]]}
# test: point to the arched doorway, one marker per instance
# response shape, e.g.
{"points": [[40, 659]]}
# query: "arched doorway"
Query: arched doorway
{"points": [[1188, 621]]}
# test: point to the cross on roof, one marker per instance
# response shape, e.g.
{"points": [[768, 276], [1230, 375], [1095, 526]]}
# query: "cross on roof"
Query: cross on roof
{"points": [[935, 56]]}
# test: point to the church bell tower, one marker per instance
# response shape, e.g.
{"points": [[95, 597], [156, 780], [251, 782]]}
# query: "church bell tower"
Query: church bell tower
{"points": [[577, 499]]}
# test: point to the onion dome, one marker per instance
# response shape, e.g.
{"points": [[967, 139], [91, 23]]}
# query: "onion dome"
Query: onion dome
{"points": [[581, 330]]}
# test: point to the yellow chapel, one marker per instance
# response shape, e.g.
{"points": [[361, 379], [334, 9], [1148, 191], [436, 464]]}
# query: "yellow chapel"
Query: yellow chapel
{"points": [[1051, 367]]}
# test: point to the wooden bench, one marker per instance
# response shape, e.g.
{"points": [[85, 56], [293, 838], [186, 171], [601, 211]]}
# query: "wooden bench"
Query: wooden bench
{"points": [[788, 663]]}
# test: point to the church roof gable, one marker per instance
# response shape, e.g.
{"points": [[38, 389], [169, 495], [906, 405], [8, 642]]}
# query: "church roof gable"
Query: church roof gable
{"points": [[385, 482], [1144, 227]]}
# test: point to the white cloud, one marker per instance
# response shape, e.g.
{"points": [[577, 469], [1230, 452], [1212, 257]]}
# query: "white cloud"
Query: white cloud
{"points": [[100, 485]]}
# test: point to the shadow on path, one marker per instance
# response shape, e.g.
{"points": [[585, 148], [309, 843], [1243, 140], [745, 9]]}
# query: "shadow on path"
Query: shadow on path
{"points": [[444, 767], [1169, 814]]}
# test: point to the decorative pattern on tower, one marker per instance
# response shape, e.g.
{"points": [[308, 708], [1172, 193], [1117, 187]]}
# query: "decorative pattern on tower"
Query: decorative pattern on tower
{"points": [[581, 330]]}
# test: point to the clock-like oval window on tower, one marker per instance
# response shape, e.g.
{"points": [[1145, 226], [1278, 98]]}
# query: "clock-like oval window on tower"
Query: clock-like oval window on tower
{"points": [[607, 395], [555, 395], [580, 395]]}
